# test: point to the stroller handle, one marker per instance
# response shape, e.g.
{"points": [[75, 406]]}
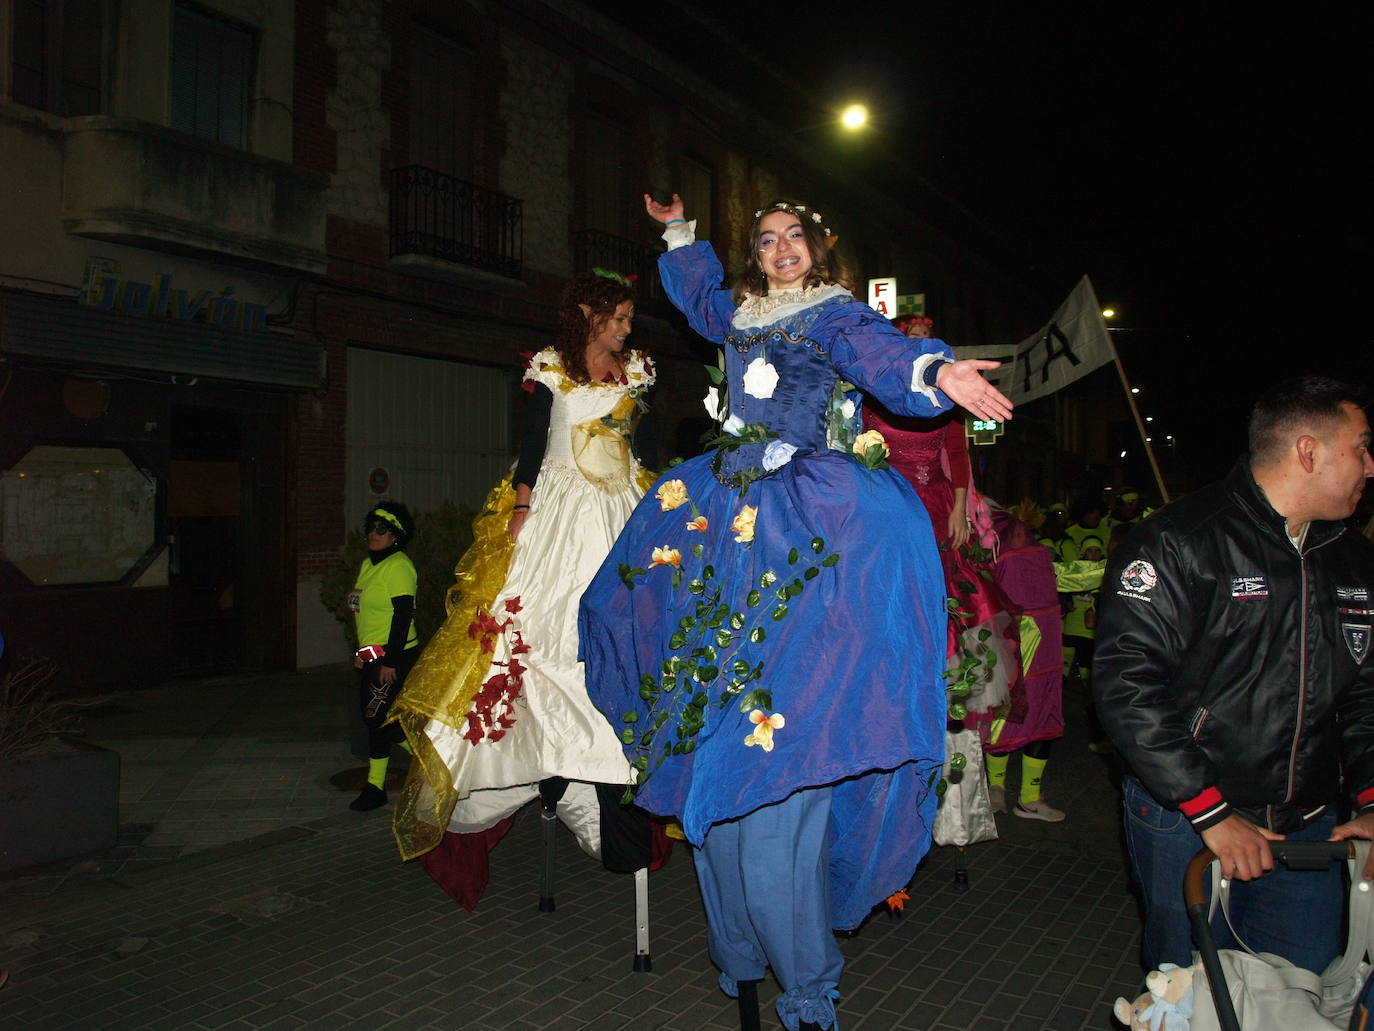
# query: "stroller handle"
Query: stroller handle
{"points": [[1296, 855]]}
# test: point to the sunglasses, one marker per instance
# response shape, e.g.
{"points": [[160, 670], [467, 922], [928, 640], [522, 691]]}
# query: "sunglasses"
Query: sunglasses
{"points": [[380, 527]]}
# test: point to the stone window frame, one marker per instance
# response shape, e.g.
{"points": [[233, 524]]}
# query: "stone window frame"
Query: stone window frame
{"points": [[224, 113]]}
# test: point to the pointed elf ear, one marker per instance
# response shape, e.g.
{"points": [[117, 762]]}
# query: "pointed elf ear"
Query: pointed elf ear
{"points": [[831, 240], [586, 310]]}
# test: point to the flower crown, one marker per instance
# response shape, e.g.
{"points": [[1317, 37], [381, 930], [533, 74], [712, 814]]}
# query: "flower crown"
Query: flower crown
{"points": [[800, 210]]}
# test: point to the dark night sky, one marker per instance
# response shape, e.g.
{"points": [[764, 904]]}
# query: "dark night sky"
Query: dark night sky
{"points": [[1209, 171]]}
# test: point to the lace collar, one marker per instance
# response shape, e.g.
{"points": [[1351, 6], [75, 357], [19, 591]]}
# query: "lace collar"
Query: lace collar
{"points": [[755, 310]]}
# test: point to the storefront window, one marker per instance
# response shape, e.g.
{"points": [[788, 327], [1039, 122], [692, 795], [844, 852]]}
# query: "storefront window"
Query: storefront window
{"points": [[72, 515]]}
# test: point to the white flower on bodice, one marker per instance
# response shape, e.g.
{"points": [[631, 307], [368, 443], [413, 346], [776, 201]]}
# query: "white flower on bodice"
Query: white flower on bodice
{"points": [[760, 378]]}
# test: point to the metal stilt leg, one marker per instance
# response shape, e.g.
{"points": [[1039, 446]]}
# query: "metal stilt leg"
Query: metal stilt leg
{"points": [[642, 964], [548, 825], [748, 1006], [961, 870]]}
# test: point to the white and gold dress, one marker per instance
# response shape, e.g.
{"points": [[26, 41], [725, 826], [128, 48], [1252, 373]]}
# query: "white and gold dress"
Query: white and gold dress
{"points": [[497, 702]]}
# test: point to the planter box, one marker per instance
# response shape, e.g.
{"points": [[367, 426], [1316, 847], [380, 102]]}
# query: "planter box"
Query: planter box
{"points": [[57, 802]]}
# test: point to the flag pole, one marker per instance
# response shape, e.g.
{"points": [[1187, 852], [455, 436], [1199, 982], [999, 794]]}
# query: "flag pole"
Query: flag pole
{"points": [[1139, 422]]}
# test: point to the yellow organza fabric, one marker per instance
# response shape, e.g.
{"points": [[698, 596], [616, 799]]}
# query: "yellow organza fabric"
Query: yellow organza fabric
{"points": [[448, 675], [601, 447]]}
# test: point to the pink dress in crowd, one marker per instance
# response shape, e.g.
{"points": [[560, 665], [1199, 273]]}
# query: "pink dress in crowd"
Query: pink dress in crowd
{"points": [[1000, 575]]}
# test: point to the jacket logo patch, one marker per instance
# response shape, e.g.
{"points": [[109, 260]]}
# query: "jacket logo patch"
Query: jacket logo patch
{"points": [[1249, 587], [1351, 593], [1356, 639], [1139, 577]]}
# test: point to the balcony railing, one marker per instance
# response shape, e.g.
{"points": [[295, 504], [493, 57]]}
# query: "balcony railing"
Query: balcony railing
{"points": [[440, 216], [594, 249]]}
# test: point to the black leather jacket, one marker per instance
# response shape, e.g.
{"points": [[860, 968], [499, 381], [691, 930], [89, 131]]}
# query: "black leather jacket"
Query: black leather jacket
{"points": [[1233, 673]]}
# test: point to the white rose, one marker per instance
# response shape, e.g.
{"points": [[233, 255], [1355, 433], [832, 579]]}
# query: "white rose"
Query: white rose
{"points": [[777, 454], [733, 425], [847, 408], [712, 403], [760, 378]]}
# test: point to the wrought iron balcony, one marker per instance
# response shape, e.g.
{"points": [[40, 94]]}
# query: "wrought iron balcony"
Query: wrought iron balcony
{"points": [[439, 216], [595, 249]]}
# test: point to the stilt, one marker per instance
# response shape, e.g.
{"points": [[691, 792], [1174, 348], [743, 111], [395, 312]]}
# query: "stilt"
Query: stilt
{"points": [[643, 964], [550, 791], [748, 1006], [548, 825]]}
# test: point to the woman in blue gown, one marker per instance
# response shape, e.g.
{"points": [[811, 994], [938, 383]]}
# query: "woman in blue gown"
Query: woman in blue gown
{"points": [[752, 634]]}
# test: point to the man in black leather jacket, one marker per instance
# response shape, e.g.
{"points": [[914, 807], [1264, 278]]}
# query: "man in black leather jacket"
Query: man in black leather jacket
{"points": [[1233, 673]]}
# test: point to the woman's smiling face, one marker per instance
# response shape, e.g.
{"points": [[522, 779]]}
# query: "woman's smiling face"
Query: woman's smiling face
{"points": [[782, 251]]}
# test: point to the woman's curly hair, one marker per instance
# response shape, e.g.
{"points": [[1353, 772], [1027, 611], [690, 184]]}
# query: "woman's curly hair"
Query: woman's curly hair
{"points": [[575, 330], [827, 266]]}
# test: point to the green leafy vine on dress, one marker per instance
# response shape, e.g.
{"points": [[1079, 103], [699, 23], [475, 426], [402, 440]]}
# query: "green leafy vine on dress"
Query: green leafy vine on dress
{"points": [[714, 645]]}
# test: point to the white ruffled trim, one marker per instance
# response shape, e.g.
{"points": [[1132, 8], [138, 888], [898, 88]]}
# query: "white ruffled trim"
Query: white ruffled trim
{"points": [[918, 377], [755, 311], [680, 234]]}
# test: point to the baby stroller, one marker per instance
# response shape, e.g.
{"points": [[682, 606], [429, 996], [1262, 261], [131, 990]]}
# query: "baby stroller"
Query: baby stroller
{"points": [[1259, 992]]}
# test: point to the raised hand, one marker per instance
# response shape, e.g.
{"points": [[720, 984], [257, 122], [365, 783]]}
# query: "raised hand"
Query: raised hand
{"points": [[963, 383], [663, 212]]}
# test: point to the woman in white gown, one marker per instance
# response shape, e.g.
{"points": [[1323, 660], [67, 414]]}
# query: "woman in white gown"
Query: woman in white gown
{"points": [[496, 703]]}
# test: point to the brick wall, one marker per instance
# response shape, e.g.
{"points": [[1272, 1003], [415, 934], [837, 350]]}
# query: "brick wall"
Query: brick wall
{"points": [[316, 145]]}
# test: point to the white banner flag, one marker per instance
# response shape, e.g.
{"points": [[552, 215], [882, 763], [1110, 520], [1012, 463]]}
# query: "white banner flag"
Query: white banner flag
{"points": [[1071, 345]]}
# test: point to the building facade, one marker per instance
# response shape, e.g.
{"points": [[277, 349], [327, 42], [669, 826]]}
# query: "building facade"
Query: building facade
{"points": [[268, 262]]}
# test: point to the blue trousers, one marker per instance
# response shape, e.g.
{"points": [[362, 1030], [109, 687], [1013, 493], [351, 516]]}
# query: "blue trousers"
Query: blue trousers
{"points": [[765, 883], [1296, 915]]}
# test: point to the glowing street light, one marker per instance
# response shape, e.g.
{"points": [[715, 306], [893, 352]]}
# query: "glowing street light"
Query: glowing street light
{"points": [[1109, 313], [854, 117]]}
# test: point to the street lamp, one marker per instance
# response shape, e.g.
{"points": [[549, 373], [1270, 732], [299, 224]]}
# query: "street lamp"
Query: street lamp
{"points": [[852, 119], [855, 116]]}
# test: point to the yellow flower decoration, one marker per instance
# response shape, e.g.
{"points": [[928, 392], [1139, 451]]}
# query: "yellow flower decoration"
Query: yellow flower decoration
{"points": [[764, 726], [667, 557], [698, 524], [864, 441], [743, 525], [672, 494]]}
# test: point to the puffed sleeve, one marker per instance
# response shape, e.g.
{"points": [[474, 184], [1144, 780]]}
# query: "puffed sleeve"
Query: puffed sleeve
{"points": [[692, 277], [896, 370]]}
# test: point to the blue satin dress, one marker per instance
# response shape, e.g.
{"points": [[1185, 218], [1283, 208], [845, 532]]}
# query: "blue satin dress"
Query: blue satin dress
{"points": [[743, 661]]}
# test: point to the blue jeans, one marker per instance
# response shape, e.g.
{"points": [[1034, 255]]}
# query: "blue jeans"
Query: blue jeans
{"points": [[1296, 915]]}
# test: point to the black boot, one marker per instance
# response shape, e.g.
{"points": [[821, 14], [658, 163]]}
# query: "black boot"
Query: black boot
{"points": [[370, 798]]}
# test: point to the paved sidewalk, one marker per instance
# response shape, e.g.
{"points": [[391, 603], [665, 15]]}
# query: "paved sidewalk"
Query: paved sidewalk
{"points": [[253, 899]]}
